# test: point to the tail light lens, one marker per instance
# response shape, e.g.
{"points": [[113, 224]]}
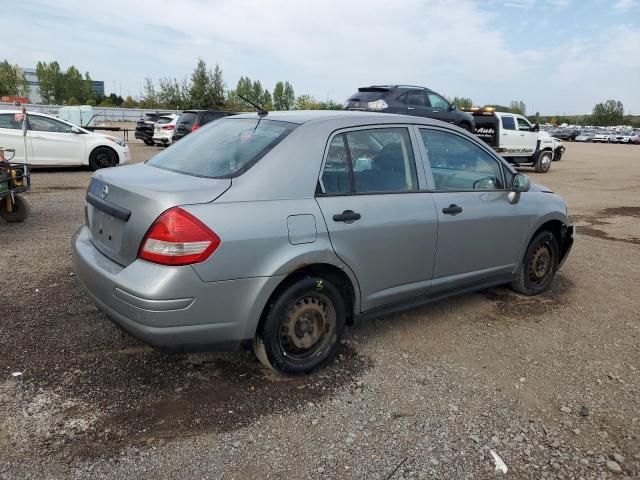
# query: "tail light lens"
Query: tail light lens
{"points": [[195, 127], [178, 238], [168, 127]]}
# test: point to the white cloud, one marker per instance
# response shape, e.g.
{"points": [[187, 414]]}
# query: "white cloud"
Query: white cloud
{"points": [[331, 48], [624, 5]]}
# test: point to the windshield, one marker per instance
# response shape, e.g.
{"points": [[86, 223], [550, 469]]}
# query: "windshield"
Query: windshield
{"points": [[223, 149]]}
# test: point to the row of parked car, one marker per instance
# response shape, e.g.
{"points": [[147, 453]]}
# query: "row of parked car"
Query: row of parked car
{"points": [[596, 135], [164, 128]]}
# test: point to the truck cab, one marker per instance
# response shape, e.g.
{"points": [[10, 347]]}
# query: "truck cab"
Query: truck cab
{"points": [[516, 139]]}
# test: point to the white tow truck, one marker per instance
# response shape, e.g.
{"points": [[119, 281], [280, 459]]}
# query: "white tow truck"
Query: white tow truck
{"points": [[516, 139]]}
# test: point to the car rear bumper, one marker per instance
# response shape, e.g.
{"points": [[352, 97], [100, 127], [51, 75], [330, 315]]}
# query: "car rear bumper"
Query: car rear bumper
{"points": [[171, 308], [142, 135]]}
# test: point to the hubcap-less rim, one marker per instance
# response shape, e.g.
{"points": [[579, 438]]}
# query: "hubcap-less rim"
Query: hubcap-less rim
{"points": [[546, 161], [307, 327], [103, 159], [540, 265]]}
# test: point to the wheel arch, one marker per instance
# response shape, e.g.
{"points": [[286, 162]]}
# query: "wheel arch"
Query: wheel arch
{"points": [[560, 230], [336, 275]]}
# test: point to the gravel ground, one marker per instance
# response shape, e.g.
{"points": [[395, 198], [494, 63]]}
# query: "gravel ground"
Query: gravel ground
{"points": [[548, 384]]}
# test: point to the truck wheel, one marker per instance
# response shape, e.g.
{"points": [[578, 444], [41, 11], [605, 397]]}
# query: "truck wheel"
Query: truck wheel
{"points": [[102, 157], [539, 265], [303, 327], [543, 163], [19, 211]]}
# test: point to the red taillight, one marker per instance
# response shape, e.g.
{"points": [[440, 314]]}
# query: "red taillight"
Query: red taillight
{"points": [[195, 127], [168, 127], [178, 238]]}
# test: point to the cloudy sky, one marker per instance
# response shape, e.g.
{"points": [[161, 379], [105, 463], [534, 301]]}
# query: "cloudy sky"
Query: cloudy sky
{"points": [[558, 56]]}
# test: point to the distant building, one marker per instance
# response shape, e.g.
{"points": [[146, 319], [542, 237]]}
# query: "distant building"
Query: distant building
{"points": [[97, 86]]}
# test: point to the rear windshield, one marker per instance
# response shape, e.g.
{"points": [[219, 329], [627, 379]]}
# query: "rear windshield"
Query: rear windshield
{"points": [[369, 94], [163, 120], [223, 149], [187, 117]]}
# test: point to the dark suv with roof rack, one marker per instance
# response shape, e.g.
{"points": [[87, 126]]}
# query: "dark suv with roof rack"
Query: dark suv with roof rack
{"points": [[409, 100], [191, 120]]}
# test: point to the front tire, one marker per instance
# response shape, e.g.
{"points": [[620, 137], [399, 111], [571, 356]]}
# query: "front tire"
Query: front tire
{"points": [[543, 163], [19, 210], [539, 266], [303, 327], [102, 157]]}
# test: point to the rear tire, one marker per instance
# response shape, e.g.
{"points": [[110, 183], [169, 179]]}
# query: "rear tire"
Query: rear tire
{"points": [[102, 157], [18, 213], [148, 142], [543, 163], [539, 265], [303, 327]]}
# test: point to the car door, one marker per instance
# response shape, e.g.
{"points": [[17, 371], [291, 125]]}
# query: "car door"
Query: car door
{"points": [[439, 108], [509, 137], [54, 143], [11, 137], [480, 233], [417, 103], [381, 224], [526, 139]]}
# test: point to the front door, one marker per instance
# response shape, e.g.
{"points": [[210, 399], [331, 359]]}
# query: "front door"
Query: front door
{"points": [[527, 139], [439, 108], [509, 137], [54, 143], [480, 234], [380, 223]]}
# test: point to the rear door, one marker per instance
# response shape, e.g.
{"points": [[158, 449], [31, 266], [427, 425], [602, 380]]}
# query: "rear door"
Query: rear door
{"points": [[54, 143], [381, 224], [480, 234], [11, 137], [417, 103]]}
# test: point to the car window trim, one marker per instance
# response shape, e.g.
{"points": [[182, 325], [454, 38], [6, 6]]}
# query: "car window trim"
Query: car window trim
{"points": [[427, 165], [344, 131]]}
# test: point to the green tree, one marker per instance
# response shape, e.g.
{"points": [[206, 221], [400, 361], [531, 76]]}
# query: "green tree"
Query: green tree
{"points": [[87, 87], [278, 96], [216, 81], [462, 102], [150, 96], [518, 106], [305, 102], [608, 113], [171, 95], [73, 85], [51, 81], [199, 92], [129, 102], [288, 97]]}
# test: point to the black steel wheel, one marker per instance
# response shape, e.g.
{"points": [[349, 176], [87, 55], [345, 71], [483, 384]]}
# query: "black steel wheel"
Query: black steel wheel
{"points": [[539, 266], [302, 328], [102, 157]]}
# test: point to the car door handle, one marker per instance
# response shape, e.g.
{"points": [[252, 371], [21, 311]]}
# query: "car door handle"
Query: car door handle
{"points": [[410, 108], [435, 111], [346, 216], [452, 209]]}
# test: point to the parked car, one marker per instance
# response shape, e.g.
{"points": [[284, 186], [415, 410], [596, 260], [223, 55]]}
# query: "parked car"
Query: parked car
{"points": [[54, 142], [145, 126], [408, 100], [230, 239], [192, 120], [164, 129], [601, 137], [584, 137], [634, 138]]}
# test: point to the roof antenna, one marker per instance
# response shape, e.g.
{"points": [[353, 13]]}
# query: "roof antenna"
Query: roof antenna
{"points": [[261, 111]]}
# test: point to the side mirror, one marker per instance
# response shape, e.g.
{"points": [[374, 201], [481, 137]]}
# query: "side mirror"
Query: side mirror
{"points": [[535, 128], [452, 107], [519, 184], [75, 130]]}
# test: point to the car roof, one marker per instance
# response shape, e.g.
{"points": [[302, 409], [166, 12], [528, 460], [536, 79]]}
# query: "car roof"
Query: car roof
{"points": [[345, 116]]}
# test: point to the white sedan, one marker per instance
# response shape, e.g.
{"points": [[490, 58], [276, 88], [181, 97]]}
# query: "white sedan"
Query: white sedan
{"points": [[54, 142]]}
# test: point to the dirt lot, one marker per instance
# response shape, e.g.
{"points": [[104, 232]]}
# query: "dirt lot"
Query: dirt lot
{"points": [[551, 384]]}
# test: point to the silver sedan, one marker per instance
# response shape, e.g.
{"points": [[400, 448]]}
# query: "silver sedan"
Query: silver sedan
{"points": [[279, 230]]}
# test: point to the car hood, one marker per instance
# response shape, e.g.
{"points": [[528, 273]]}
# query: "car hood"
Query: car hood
{"points": [[539, 188]]}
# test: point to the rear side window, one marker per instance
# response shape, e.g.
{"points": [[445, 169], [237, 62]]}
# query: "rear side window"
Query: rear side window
{"points": [[223, 149], [210, 117], [370, 161], [8, 120], [508, 123], [417, 99], [369, 94]]}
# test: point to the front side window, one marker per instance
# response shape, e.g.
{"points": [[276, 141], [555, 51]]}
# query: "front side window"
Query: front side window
{"points": [[523, 124], [223, 149], [458, 164], [508, 123], [370, 161], [45, 124], [437, 101]]}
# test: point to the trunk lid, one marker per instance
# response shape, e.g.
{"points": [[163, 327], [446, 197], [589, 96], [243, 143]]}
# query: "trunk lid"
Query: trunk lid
{"points": [[123, 202]]}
